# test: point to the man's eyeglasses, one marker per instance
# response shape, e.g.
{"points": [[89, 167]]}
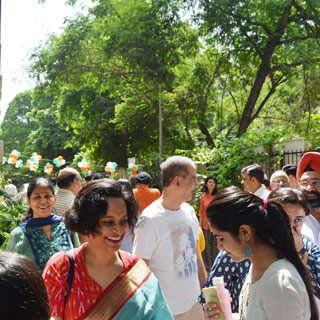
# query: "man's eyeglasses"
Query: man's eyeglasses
{"points": [[313, 184], [278, 181]]}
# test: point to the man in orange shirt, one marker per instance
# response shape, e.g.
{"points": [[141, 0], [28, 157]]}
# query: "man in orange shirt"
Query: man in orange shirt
{"points": [[145, 195]]}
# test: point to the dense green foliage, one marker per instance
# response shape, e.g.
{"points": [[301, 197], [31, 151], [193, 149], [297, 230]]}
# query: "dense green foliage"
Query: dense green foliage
{"points": [[271, 40], [29, 127], [11, 213], [17, 125], [222, 68]]}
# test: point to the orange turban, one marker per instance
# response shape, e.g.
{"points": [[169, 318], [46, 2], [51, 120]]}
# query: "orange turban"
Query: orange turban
{"points": [[309, 159]]}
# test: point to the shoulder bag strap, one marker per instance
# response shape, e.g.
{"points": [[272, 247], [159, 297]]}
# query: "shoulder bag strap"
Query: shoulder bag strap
{"points": [[70, 275]]}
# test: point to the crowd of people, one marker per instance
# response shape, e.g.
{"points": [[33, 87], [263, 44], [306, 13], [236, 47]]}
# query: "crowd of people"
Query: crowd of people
{"points": [[108, 250]]}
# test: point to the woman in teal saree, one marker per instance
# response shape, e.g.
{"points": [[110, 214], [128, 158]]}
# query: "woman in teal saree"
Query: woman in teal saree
{"points": [[108, 283]]}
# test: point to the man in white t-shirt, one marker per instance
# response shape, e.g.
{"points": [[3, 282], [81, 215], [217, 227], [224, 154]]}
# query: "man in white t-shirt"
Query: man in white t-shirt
{"points": [[166, 238], [252, 180]]}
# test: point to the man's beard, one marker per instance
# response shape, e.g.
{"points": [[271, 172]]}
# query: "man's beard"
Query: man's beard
{"points": [[313, 202]]}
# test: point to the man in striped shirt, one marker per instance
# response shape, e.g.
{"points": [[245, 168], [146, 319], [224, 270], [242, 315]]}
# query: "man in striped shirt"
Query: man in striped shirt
{"points": [[69, 182]]}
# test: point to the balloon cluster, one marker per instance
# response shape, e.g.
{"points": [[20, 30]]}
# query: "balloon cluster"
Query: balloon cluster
{"points": [[19, 164], [36, 158], [48, 168], [59, 161], [14, 156], [133, 168], [84, 165], [33, 162], [32, 165], [110, 167]]}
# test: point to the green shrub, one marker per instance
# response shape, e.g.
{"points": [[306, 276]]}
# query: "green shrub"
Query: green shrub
{"points": [[230, 155], [11, 213]]}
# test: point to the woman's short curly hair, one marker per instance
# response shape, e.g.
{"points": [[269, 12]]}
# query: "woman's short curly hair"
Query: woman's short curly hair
{"points": [[91, 203]]}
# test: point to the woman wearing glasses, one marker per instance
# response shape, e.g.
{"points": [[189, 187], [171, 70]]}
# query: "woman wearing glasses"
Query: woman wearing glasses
{"points": [[295, 205]]}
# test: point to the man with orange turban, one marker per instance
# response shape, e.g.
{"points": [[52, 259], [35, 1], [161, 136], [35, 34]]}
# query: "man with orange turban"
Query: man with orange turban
{"points": [[308, 177]]}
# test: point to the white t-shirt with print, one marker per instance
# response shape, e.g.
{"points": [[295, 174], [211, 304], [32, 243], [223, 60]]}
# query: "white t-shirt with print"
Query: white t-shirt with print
{"points": [[168, 239], [280, 294]]}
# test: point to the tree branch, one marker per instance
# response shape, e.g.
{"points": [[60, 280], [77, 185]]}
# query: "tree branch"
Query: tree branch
{"points": [[270, 93], [244, 32], [208, 86], [187, 130], [233, 99], [291, 65], [293, 40], [254, 23], [232, 126]]}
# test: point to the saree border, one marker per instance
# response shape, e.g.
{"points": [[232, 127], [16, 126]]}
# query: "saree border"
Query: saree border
{"points": [[118, 293]]}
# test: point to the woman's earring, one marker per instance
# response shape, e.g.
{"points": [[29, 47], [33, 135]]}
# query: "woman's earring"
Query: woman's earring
{"points": [[247, 251]]}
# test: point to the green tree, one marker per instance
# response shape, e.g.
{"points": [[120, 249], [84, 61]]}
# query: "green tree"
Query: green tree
{"points": [[254, 64], [31, 125], [269, 41], [119, 55], [17, 125]]}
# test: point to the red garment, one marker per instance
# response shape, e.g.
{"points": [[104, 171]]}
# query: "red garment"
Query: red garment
{"points": [[311, 159], [84, 292], [145, 196], [204, 202]]}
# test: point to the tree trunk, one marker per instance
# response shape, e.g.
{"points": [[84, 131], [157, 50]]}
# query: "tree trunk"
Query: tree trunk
{"points": [[186, 129], [206, 133], [264, 70], [124, 145]]}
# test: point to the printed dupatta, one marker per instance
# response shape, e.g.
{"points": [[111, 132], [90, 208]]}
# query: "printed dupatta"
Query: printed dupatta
{"points": [[41, 246], [115, 296]]}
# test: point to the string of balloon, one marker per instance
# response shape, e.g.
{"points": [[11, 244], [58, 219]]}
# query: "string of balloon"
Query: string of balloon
{"points": [[32, 163]]}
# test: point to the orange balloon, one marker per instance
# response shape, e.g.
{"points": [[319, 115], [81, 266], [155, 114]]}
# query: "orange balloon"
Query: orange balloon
{"points": [[14, 161], [28, 165], [134, 171], [60, 158]]}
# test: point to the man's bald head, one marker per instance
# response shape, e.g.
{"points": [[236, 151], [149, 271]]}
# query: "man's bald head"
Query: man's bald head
{"points": [[69, 178]]}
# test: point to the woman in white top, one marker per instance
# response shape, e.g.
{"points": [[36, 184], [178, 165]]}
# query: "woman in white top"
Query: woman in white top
{"points": [[277, 286]]}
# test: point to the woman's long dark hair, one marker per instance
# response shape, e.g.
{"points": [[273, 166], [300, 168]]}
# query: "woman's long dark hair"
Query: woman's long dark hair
{"points": [[289, 196], [233, 207], [22, 291], [205, 188], [40, 181]]}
